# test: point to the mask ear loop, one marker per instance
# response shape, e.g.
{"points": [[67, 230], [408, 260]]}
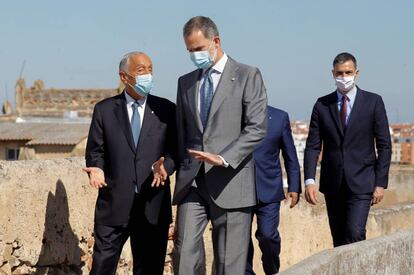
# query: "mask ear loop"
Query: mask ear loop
{"points": [[215, 51]]}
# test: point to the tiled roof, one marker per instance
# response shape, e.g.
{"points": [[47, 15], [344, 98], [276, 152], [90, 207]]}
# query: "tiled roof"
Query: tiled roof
{"points": [[44, 133]]}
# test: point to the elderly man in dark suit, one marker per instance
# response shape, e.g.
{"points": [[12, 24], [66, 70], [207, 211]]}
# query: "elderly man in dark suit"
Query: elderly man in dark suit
{"points": [[130, 152], [221, 118], [351, 126]]}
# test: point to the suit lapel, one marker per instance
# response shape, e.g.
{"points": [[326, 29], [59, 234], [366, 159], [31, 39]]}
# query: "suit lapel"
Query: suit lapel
{"points": [[147, 122], [333, 108], [121, 114], [356, 109], [192, 97], [226, 81]]}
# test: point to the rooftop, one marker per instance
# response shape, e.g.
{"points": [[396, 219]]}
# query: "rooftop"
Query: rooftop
{"points": [[46, 133]]}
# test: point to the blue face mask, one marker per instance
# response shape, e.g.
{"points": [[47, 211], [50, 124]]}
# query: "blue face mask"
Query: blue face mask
{"points": [[202, 59], [143, 84]]}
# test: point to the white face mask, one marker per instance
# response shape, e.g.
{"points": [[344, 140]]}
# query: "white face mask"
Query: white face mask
{"points": [[345, 83]]}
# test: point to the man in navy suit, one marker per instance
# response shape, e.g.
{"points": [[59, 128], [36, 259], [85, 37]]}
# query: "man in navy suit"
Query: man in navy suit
{"points": [[352, 127], [269, 187]]}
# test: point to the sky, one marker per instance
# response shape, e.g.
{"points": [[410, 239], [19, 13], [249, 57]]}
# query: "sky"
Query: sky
{"points": [[78, 44]]}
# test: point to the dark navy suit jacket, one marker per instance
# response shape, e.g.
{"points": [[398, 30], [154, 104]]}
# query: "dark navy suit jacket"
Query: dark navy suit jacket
{"points": [[350, 153], [269, 179]]}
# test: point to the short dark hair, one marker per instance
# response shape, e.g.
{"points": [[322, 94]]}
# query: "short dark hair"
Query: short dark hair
{"points": [[344, 57], [202, 23]]}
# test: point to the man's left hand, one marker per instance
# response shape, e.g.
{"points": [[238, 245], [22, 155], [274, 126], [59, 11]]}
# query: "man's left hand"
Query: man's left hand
{"points": [[294, 198], [210, 158], [378, 195]]}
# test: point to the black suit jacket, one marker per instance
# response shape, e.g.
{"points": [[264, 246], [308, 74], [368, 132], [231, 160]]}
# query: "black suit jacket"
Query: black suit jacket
{"points": [[110, 147], [350, 153]]}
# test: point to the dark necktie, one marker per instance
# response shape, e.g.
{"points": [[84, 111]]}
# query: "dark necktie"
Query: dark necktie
{"points": [[206, 97], [343, 111], [135, 122]]}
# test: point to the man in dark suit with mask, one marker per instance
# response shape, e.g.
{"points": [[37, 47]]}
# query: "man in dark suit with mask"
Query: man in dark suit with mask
{"points": [[129, 155], [352, 127], [269, 187]]}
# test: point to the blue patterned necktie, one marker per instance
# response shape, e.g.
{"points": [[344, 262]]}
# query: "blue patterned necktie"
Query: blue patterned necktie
{"points": [[135, 122], [206, 97]]}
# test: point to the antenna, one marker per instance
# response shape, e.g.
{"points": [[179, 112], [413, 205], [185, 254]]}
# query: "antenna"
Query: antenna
{"points": [[22, 68], [7, 92]]}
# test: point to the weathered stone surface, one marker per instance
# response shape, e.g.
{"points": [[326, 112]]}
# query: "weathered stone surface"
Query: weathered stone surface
{"points": [[47, 208], [23, 269], [5, 269], [388, 255]]}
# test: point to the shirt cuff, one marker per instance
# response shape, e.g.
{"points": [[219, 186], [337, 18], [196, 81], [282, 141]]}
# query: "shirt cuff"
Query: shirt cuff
{"points": [[309, 181], [225, 163]]}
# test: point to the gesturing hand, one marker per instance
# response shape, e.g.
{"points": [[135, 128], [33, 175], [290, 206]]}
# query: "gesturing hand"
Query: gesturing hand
{"points": [[210, 158], [311, 194], [96, 176], [160, 174]]}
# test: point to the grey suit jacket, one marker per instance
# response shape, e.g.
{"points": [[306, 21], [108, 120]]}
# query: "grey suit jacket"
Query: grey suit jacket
{"points": [[236, 125]]}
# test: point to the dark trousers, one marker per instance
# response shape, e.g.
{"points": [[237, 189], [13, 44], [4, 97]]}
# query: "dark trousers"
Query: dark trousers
{"points": [[148, 244], [348, 214], [267, 215]]}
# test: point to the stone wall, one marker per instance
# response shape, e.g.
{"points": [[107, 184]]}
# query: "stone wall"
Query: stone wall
{"points": [[46, 220], [386, 255]]}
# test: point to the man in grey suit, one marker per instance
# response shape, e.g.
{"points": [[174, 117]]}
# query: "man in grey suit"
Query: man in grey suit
{"points": [[221, 116]]}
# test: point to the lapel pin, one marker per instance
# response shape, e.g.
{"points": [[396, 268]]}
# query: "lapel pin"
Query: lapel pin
{"points": [[152, 112]]}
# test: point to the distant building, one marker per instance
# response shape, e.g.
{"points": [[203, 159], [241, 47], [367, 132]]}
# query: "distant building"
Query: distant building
{"points": [[300, 131], [48, 123], [403, 143], [37, 101], [396, 152], [21, 141]]}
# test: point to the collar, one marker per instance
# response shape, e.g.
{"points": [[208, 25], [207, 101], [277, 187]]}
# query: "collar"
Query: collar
{"points": [[351, 94], [131, 100], [219, 66]]}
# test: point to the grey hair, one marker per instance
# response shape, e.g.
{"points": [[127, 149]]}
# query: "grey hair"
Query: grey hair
{"points": [[202, 23], [123, 64]]}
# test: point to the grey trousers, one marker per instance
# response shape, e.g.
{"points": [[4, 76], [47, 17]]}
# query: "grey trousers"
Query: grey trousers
{"points": [[230, 235]]}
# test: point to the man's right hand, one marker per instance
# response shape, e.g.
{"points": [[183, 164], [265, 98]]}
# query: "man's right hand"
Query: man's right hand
{"points": [[311, 194], [96, 176]]}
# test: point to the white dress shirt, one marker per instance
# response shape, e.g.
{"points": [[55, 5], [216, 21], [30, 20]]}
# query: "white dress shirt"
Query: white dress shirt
{"points": [[350, 103]]}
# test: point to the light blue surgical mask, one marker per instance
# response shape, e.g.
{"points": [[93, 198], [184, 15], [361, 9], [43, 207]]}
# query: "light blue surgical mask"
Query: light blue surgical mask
{"points": [[202, 59], [143, 84]]}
